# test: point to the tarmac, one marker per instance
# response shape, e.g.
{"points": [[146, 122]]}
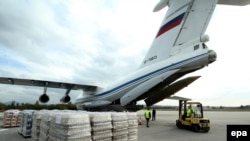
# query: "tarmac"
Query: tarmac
{"points": [[164, 128]]}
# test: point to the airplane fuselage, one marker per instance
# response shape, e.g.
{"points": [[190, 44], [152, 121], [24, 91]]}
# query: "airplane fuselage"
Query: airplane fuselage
{"points": [[190, 57]]}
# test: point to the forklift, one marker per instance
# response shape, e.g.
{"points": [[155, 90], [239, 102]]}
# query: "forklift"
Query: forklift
{"points": [[191, 117]]}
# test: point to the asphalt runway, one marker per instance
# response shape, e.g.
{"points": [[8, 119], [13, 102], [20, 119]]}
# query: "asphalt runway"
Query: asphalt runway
{"points": [[164, 127]]}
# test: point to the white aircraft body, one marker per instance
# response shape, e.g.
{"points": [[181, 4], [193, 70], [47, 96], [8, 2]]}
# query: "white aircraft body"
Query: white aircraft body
{"points": [[178, 49]]}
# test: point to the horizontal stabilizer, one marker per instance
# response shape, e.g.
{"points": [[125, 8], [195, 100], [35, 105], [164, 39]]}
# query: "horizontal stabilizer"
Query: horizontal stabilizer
{"points": [[170, 90], [234, 2], [50, 84]]}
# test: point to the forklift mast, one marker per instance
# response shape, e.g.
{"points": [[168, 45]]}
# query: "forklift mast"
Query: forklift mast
{"points": [[182, 103]]}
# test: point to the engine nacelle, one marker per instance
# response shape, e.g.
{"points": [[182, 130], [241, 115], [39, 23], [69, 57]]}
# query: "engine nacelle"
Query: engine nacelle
{"points": [[44, 98], [65, 99]]}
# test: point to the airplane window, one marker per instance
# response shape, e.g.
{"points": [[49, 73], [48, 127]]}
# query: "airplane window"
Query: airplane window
{"points": [[196, 47]]}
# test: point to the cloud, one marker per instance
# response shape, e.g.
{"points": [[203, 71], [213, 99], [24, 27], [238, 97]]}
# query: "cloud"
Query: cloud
{"points": [[75, 41], [98, 42]]}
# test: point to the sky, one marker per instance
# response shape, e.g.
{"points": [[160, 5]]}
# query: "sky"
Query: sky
{"points": [[97, 42]]}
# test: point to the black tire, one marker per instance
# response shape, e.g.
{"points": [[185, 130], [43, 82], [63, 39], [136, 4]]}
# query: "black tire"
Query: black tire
{"points": [[195, 128], [206, 130], [179, 125]]}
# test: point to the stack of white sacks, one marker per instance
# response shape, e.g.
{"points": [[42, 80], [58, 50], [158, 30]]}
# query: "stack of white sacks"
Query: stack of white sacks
{"points": [[120, 126], [61, 126], [45, 125], [132, 126], [70, 126], [26, 122], [84, 126], [37, 117], [101, 126]]}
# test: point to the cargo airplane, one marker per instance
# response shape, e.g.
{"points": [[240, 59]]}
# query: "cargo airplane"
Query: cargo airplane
{"points": [[179, 48]]}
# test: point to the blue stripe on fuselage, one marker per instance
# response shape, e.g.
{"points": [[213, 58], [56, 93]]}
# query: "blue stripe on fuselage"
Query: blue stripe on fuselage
{"points": [[144, 77]]}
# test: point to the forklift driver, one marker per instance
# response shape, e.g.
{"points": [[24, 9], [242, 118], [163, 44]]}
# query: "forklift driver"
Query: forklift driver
{"points": [[189, 111]]}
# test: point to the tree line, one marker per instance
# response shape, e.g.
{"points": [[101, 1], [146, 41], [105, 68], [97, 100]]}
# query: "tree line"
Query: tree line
{"points": [[36, 106]]}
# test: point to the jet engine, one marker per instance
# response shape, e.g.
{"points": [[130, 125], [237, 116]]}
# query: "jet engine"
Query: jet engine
{"points": [[44, 98], [65, 99]]}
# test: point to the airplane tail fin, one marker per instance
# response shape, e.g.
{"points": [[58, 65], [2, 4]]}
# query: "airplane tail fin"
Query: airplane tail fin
{"points": [[185, 21], [180, 25]]}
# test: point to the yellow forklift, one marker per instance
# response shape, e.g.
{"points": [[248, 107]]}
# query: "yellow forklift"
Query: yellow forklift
{"points": [[191, 117]]}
